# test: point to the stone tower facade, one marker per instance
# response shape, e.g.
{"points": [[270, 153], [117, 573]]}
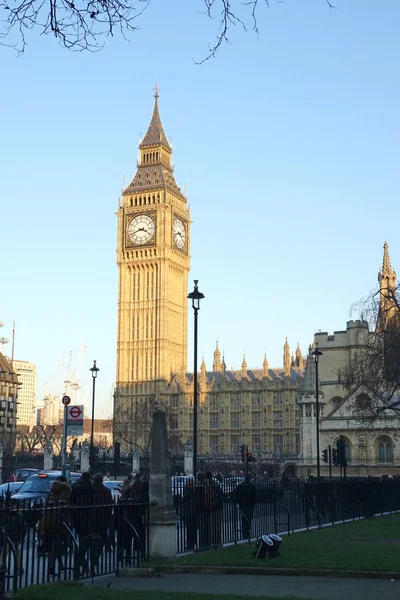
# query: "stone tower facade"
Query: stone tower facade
{"points": [[153, 264]]}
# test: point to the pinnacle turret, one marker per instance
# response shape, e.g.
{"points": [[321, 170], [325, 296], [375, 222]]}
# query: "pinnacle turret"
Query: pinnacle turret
{"points": [[286, 358], [387, 270], [265, 367], [309, 378], [203, 367], [217, 359], [387, 291], [244, 367]]}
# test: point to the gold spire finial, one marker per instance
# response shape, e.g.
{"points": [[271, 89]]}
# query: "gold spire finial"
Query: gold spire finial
{"points": [[156, 90]]}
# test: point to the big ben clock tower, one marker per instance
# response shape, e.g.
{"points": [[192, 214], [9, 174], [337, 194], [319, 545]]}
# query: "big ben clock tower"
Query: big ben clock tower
{"points": [[153, 265]]}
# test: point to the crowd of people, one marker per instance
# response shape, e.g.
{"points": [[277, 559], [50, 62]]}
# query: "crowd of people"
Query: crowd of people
{"points": [[201, 509], [85, 518]]}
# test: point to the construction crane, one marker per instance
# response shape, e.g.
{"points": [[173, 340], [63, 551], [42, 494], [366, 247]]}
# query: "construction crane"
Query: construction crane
{"points": [[71, 381], [67, 380], [110, 406], [75, 385], [46, 390]]}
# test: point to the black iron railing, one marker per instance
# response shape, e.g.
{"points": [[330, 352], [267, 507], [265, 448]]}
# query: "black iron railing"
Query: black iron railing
{"points": [[211, 513], [43, 542]]}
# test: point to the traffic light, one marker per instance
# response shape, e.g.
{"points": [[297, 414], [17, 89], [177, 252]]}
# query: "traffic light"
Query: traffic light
{"points": [[243, 449], [325, 455], [250, 457], [335, 457]]}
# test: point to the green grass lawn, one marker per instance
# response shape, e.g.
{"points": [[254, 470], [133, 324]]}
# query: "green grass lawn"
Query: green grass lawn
{"points": [[64, 592], [371, 545]]}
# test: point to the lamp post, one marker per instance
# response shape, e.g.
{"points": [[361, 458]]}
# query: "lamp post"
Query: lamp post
{"points": [[195, 297], [316, 354], [94, 370]]}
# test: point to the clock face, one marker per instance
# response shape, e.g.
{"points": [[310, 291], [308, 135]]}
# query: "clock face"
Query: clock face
{"points": [[141, 229], [179, 233]]}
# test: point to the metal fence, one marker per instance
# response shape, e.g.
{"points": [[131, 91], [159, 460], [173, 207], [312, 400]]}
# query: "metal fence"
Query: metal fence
{"points": [[43, 543], [212, 513]]}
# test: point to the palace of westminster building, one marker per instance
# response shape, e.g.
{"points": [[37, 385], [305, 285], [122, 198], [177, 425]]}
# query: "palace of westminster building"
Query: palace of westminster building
{"points": [[268, 409]]}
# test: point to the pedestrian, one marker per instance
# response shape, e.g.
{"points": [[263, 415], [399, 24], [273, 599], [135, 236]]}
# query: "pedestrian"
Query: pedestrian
{"points": [[213, 505], [12, 521], [138, 510], [56, 515], [126, 484], [127, 519], [246, 497], [202, 513], [104, 509], [12, 477], [189, 513], [146, 486], [82, 497], [107, 476]]}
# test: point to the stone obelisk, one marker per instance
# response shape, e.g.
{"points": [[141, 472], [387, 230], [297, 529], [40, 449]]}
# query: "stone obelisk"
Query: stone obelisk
{"points": [[162, 534]]}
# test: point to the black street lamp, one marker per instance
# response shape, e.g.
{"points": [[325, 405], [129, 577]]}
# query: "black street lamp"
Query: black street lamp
{"points": [[195, 296], [94, 370], [316, 354]]}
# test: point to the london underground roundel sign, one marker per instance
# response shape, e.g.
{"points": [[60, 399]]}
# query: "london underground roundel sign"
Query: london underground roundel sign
{"points": [[75, 412]]}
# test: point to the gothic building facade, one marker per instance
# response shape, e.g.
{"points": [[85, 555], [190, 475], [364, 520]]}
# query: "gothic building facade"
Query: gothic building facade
{"points": [[271, 410], [371, 447]]}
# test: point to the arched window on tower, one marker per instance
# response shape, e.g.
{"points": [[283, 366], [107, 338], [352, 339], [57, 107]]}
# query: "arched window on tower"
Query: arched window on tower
{"points": [[385, 450]]}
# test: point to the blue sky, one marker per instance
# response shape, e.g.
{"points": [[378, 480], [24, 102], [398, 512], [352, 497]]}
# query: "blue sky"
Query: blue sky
{"points": [[289, 145]]}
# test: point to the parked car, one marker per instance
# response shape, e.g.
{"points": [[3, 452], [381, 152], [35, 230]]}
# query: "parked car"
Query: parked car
{"points": [[116, 489], [34, 491], [178, 483], [230, 484], [11, 488], [23, 474]]}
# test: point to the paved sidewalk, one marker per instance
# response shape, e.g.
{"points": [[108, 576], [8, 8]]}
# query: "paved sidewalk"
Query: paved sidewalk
{"points": [[265, 586]]}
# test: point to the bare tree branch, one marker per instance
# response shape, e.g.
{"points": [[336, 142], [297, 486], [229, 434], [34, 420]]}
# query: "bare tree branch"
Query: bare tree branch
{"points": [[82, 24], [374, 369], [77, 24]]}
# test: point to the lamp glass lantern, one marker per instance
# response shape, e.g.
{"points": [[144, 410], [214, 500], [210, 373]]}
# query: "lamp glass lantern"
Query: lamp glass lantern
{"points": [[94, 370], [196, 296]]}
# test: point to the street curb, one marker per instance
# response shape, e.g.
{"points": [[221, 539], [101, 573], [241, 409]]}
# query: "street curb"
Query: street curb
{"points": [[156, 571], [139, 572]]}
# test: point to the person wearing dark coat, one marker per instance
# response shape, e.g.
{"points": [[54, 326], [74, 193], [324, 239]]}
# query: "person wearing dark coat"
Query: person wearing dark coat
{"points": [[82, 500], [246, 497], [56, 518], [130, 521], [189, 513], [104, 510], [137, 496]]}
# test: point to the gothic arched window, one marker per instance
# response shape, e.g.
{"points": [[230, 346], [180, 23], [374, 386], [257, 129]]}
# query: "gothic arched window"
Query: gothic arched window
{"points": [[385, 450], [347, 449]]}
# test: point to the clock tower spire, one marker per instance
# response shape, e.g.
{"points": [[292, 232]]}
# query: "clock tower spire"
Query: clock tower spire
{"points": [[153, 265]]}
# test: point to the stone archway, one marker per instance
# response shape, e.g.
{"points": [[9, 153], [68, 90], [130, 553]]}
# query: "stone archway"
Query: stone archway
{"points": [[290, 471]]}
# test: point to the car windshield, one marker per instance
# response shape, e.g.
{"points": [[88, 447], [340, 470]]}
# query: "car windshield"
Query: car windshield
{"points": [[36, 484]]}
